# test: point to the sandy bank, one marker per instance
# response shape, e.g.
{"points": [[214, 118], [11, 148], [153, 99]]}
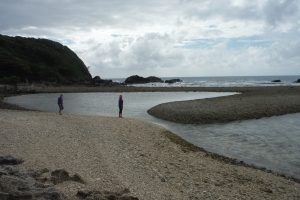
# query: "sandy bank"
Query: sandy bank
{"points": [[114, 154], [253, 103]]}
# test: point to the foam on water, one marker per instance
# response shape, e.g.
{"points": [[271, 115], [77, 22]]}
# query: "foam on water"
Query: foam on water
{"points": [[229, 81]]}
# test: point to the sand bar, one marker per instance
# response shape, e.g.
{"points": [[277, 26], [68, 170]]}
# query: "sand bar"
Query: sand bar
{"points": [[251, 103]]}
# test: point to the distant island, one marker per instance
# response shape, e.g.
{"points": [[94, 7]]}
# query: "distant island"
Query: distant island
{"points": [[39, 60]]}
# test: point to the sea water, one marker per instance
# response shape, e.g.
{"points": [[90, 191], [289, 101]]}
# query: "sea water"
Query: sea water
{"points": [[273, 143], [225, 81]]}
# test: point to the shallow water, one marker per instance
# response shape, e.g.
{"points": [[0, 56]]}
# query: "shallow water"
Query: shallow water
{"points": [[272, 142], [136, 104]]}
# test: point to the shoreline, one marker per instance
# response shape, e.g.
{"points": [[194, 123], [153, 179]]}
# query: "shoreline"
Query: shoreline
{"points": [[40, 88], [251, 103], [140, 143], [246, 91], [186, 146]]}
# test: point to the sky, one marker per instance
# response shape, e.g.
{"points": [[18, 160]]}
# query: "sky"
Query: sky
{"points": [[166, 38]]}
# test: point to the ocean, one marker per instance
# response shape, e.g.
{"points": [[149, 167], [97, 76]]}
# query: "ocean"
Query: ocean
{"points": [[224, 81]]}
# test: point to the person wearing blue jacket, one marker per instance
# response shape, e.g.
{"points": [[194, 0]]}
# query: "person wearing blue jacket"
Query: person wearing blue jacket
{"points": [[60, 103], [120, 106]]}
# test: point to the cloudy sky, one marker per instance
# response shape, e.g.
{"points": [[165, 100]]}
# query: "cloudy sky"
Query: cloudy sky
{"points": [[118, 38]]}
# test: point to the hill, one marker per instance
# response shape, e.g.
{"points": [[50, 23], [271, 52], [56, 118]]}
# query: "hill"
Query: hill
{"points": [[39, 60]]}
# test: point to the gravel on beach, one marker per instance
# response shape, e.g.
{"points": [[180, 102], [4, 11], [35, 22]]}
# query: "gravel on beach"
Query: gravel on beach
{"points": [[252, 103], [113, 154]]}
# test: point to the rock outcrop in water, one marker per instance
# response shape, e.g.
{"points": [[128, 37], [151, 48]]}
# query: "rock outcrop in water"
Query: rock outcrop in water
{"points": [[175, 80], [135, 79], [97, 81], [276, 81]]}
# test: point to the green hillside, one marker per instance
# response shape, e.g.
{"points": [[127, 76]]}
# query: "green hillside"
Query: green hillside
{"points": [[39, 60]]}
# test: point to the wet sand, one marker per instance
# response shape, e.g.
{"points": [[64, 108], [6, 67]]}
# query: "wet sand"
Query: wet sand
{"points": [[116, 154]]}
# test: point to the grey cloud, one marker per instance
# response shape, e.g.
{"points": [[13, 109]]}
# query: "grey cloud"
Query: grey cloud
{"points": [[86, 15], [278, 11], [119, 38], [53, 13], [59, 13], [224, 9], [272, 12]]}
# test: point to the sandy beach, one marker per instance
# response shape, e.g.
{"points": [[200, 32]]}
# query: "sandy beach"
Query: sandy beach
{"points": [[115, 154]]}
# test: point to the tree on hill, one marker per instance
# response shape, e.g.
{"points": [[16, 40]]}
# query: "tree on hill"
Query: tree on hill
{"points": [[39, 60]]}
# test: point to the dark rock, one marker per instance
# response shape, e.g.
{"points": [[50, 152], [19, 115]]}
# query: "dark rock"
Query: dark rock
{"points": [[276, 81], [26, 184], [23, 185], [297, 81], [50, 194], [141, 80], [21, 195], [9, 160], [11, 184], [104, 195], [61, 175], [37, 173], [3, 172], [98, 81], [154, 79], [175, 80], [136, 80], [109, 82], [4, 196], [77, 178], [11, 170], [267, 190]]}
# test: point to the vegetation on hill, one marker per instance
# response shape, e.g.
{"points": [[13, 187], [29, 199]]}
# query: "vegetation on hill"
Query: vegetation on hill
{"points": [[39, 60]]}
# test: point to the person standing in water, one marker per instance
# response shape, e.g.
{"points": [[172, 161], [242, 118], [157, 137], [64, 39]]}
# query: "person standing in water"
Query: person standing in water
{"points": [[60, 103], [120, 106]]}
